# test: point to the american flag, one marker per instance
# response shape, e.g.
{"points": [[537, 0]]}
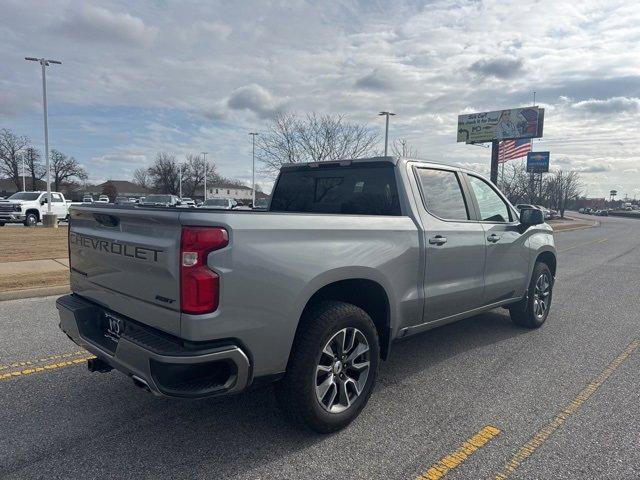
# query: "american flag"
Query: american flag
{"points": [[511, 149]]}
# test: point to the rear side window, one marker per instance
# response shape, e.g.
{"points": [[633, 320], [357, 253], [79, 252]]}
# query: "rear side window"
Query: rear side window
{"points": [[360, 189], [442, 194]]}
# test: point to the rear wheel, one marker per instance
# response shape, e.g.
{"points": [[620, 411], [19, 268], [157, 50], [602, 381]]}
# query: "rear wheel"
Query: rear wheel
{"points": [[1, 224], [533, 310], [31, 220], [332, 368]]}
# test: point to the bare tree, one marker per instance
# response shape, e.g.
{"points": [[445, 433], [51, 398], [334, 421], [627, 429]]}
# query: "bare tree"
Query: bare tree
{"points": [[11, 149], [563, 187], [163, 174], [193, 174], [402, 148], [314, 138], [34, 166], [110, 190], [65, 168], [141, 177]]}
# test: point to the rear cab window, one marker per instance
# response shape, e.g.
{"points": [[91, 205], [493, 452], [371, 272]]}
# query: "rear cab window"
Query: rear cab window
{"points": [[357, 189]]}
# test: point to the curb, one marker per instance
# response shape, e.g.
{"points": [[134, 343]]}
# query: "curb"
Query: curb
{"points": [[34, 292]]}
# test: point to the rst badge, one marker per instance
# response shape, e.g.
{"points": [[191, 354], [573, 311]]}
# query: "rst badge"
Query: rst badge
{"points": [[115, 327]]}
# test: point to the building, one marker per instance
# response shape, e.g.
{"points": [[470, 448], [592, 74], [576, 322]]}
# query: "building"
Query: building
{"points": [[230, 190]]}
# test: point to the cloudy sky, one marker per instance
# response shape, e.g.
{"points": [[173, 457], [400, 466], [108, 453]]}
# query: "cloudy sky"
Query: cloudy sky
{"points": [[139, 77]]}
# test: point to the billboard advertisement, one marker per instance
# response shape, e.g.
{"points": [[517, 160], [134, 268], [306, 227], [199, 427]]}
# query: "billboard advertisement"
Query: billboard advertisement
{"points": [[538, 162], [510, 124]]}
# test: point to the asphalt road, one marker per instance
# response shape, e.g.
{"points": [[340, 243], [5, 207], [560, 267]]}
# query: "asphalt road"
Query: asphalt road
{"points": [[562, 401]]}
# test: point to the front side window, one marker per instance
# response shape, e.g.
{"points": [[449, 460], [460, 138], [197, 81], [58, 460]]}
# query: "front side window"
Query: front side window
{"points": [[492, 207], [442, 194], [56, 197]]}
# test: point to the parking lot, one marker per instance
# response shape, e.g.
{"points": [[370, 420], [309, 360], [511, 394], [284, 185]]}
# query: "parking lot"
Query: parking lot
{"points": [[476, 399]]}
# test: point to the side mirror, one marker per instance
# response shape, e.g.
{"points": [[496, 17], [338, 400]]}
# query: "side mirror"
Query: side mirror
{"points": [[531, 216], [43, 201]]}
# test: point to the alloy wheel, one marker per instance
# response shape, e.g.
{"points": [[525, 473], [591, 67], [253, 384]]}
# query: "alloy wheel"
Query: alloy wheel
{"points": [[343, 369], [542, 296]]}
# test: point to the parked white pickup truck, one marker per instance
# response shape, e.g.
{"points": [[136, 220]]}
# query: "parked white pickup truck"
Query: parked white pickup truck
{"points": [[29, 207]]}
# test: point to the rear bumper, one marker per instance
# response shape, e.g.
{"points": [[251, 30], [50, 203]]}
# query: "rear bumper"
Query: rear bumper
{"points": [[165, 364]]}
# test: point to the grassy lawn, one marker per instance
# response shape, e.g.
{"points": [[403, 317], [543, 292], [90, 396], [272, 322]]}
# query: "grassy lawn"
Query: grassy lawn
{"points": [[19, 243]]}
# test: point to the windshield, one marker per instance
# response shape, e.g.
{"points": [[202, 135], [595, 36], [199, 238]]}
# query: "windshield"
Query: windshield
{"points": [[217, 202], [158, 199], [25, 196]]}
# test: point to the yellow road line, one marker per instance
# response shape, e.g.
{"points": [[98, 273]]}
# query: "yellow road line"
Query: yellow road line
{"points": [[43, 368], [602, 240], [454, 459], [544, 433], [43, 360]]}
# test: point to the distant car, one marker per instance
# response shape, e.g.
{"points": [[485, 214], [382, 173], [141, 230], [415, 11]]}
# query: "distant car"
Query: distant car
{"points": [[187, 202], [546, 212], [161, 200], [261, 204], [122, 200], [602, 213], [220, 203], [87, 200], [587, 211], [103, 199], [581, 210]]}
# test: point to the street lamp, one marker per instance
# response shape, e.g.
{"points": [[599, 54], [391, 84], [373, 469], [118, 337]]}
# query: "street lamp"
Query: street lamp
{"points": [[253, 169], [386, 130], [204, 156], [45, 63], [180, 180]]}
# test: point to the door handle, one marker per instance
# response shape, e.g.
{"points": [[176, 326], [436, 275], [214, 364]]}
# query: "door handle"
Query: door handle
{"points": [[493, 238], [438, 240]]}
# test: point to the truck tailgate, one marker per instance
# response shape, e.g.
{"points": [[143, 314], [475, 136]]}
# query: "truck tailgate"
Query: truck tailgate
{"points": [[127, 259]]}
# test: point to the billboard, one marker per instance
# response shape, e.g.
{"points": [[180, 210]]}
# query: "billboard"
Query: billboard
{"points": [[515, 123], [538, 162]]}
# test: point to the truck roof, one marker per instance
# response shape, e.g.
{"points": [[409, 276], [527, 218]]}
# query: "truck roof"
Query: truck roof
{"points": [[382, 159]]}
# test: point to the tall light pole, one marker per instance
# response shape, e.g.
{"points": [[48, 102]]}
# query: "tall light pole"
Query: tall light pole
{"points": [[386, 130], [180, 180], [45, 63], [253, 167], [204, 156]]}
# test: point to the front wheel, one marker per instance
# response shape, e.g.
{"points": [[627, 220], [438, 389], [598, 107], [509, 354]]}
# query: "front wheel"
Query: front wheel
{"points": [[332, 369], [31, 220], [534, 309]]}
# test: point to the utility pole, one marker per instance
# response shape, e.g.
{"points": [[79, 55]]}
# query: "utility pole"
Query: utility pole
{"points": [[180, 180], [51, 222], [386, 130], [24, 188], [204, 155], [253, 167]]}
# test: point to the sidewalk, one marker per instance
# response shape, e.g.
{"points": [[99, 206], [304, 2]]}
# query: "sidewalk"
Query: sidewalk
{"points": [[33, 278]]}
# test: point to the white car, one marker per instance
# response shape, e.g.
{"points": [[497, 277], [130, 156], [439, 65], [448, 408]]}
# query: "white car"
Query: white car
{"points": [[103, 199], [28, 208], [187, 202], [220, 203]]}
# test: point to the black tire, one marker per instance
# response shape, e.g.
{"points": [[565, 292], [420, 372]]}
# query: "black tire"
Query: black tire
{"points": [[528, 313], [31, 220], [1, 224], [297, 391]]}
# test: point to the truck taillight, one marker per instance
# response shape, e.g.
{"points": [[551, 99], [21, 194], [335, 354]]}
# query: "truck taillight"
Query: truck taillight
{"points": [[199, 286]]}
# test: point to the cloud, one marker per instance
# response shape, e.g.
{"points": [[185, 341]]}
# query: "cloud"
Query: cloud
{"points": [[378, 79], [254, 98], [505, 67], [608, 106], [97, 24]]}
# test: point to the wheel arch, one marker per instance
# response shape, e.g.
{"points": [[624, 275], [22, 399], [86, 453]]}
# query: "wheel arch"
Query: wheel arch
{"points": [[33, 210], [550, 259], [366, 293]]}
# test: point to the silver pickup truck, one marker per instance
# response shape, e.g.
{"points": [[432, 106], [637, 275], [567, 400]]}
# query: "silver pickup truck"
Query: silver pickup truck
{"points": [[311, 293]]}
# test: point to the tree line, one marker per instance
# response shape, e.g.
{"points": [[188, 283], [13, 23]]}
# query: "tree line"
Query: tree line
{"points": [[163, 175], [17, 150]]}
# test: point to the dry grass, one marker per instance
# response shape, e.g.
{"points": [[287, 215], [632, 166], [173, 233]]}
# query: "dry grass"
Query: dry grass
{"points": [[33, 243], [29, 280]]}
